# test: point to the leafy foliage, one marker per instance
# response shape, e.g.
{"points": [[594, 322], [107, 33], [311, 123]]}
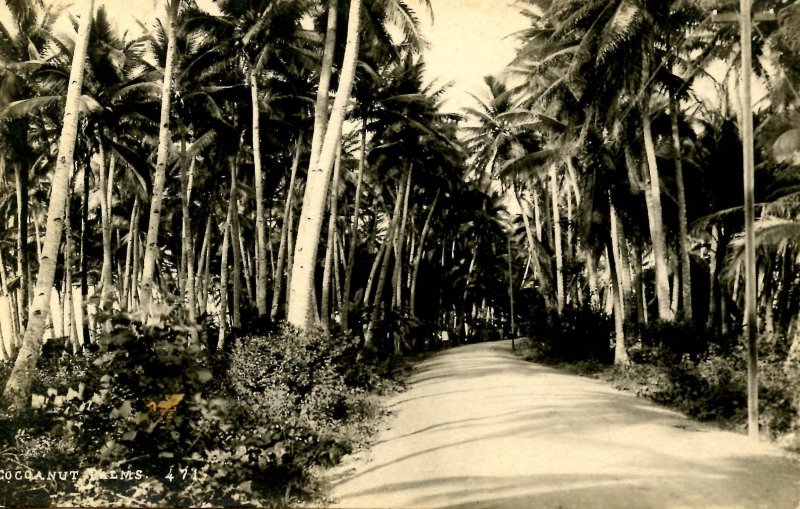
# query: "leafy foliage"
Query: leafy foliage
{"points": [[181, 428], [577, 334]]}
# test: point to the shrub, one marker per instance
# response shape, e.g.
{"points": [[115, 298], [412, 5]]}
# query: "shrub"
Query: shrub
{"points": [[188, 428], [666, 343], [310, 381], [577, 334]]}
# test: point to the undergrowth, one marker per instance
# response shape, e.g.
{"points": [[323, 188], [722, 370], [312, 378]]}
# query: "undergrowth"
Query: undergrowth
{"points": [[152, 420], [676, 365]]}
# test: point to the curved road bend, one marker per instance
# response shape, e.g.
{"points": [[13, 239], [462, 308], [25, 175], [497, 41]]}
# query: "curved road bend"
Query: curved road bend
{"points": [[479, 428]]}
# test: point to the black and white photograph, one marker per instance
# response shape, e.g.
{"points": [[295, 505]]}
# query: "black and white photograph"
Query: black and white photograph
{"points": [[368, 254]]}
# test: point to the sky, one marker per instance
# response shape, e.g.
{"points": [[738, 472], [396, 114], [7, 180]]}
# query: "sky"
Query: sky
{"points": [[468, 38]]}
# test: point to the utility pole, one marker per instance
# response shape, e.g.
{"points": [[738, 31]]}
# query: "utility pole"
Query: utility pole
{"points": [[751, 323], [745, 19]]}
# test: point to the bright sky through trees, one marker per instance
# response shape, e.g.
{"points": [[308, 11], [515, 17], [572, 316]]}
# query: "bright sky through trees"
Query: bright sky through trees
{"points": [[468, 38]]}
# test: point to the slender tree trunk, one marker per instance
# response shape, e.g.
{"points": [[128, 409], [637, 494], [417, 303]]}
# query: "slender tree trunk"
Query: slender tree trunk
{"points": [[387, 254], [351, 253], [420, 252], [400, 240], [683, 228], [132, 232], [373, 272], [676, 292], [528, 232], [331, 246], [136, 263], [712, 279], [591, 275], [69, 311], [223, 267], [285, 231], [159, 181], [537, 214], [638, 282], [301, 291], [202, 265], [325, 72], [657, 235], [21, 178], [105, 219], [187, 246], [18, 386], [247, 267], [84, 259], [290, 240], [261, 227], [620, 353], [338, 258], [510, 288], [237, 265], [12, 342], [620, 247], [557, 239], [616, 242]]}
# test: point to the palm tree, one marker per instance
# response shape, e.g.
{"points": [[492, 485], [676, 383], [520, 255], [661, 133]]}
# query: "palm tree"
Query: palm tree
{"points": [[17, 389], [21, 45], [159, 180], [301, 290], [376, 15]]}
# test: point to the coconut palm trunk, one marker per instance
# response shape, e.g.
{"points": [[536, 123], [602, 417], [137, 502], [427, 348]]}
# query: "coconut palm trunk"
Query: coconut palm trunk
{"points": [[512, 318], [400, 242], [620, 247], [21, 181], [351, 252], [301, 313], [18, 386], [70, 332], [200, 284], [187, 244], [285, 231], [387, 254], [620, 353], [750, 311], [237, 266], [420, 251], [223, 267], [557, 238], [330, 247], [528, 231], [162, 157], [657, 234], [325, 72], [261, 227], [686, 268], [105, 222], [129, 253]]}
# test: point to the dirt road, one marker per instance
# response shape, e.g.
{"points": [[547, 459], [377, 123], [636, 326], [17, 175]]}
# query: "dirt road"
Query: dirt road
{"points": [[480, 428]]}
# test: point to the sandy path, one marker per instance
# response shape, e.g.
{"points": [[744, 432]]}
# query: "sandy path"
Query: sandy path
{"points": [[480, 428]]}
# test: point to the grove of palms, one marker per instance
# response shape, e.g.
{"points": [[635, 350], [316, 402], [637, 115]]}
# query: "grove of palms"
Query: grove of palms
{"points": [[259, 163]]}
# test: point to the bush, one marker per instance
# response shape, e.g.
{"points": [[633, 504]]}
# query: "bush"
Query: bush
{"points": [[711, 386], [183, 427], [311, 382], [666, 343], [577, 334]]}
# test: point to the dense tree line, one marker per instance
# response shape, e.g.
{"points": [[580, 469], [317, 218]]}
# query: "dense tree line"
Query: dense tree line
{"points": [[287, 160], [617, 130], [268, 160]]}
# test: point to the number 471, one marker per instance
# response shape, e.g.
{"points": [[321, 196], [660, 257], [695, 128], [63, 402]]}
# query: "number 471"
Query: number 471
{"points": [[183, 472]]}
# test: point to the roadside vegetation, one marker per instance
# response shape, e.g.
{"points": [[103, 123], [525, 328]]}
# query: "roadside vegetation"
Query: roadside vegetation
{"points": [[700, 373]]}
